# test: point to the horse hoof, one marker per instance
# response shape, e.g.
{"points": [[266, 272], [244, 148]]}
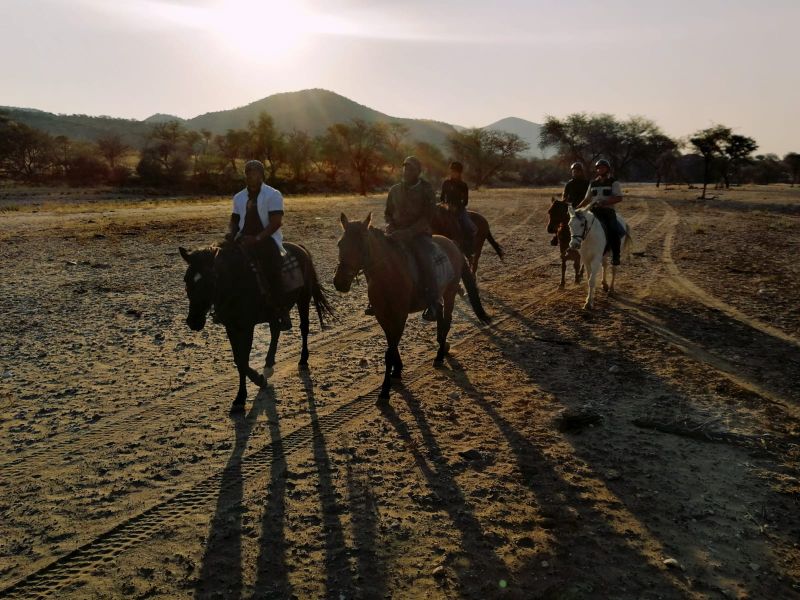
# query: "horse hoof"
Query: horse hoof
{"points": [[561, 285], [587, 307], [268, 372], [397, 375], [237, 406], [605, 287], [383, 396], [303, 366]]}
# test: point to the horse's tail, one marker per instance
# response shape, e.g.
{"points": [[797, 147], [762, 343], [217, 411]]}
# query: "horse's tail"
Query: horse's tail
{"points": [[471, 286], [497, 247], [318, 292], [628, 243]]}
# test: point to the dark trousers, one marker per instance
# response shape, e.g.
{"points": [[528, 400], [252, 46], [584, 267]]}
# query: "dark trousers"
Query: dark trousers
{"points": [[420, 247], [268, 261], [608, 217]]}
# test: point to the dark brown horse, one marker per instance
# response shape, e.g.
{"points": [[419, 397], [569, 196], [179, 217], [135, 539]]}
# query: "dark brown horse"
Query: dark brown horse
{"points": [[445, 222], [558, 223], [391, 288], [220, 278]]}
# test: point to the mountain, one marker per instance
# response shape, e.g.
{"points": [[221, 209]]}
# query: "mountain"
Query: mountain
{"points": [[314, 111], [528, 131]]}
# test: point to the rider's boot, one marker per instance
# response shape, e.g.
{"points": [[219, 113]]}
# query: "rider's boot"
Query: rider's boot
{"points": [[554, 241], [369, 311]]}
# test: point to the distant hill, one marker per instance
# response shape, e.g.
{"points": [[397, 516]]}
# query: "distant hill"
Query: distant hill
{"points": [[312, 110], [80, 127], [528, 131]]}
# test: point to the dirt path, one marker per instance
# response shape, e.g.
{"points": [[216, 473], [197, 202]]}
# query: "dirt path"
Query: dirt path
{"points": [[123, 476]]}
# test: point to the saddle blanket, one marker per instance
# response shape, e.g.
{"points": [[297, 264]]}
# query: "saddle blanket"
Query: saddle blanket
{"points": [[291, 273], [442, 267]]}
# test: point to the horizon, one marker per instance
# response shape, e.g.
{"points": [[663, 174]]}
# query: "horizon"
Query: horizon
{"points": [[685, 75]]}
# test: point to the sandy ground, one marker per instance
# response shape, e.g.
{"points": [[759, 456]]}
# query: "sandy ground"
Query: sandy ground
{"points": [[646, 450]]}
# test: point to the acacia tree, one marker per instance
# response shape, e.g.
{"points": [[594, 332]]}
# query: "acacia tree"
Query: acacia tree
{"points": [[397, 147], [792, 162], [709, 144], [328, 157], [363, 144], [25, 152], [485, 152], [299, 154], [232, 145], [736, 151], [267, 144]]}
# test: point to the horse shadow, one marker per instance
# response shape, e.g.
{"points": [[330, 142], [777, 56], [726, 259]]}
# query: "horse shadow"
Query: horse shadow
{"points": [[635, 574]]}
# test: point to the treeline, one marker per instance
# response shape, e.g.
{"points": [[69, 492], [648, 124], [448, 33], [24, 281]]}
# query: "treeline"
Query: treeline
{"points": [[362, 156], [639, 151]]}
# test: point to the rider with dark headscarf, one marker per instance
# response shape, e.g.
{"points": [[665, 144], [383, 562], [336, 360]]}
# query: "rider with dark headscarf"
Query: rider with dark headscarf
{"points": [[604, 191], [574, 191], [256, 223], [455, 194]]}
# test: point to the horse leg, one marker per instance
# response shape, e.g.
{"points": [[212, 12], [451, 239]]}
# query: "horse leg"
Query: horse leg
{"points": [[303, 305], [613, 277], [443, 328], [397, 364], [591, 272], [476, 255], [578, 270], [269, 363], [563, 271], [393, 331], [605, 268], [241, 356]]}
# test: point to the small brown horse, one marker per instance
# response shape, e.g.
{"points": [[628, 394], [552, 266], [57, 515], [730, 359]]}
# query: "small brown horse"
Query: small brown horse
{"points": [[391, 288], [445, 222], [558, 223]]}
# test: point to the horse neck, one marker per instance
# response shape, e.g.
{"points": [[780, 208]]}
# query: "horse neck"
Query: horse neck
{"points": [[381, 259], [595, 234]]}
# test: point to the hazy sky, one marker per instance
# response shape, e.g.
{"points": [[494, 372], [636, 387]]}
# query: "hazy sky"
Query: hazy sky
{"points": [[686, 64]]}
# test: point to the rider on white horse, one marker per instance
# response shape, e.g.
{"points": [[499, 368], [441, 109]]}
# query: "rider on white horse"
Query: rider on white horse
{"points": [[604, 191]]}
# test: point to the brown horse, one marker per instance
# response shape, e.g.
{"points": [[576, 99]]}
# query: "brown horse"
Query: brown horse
{"points": [[391, 288], [558, 223], [445, 222]]}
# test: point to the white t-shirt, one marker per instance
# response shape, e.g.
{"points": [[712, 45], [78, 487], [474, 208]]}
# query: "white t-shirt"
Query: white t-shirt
{"points": [[269, 200]]}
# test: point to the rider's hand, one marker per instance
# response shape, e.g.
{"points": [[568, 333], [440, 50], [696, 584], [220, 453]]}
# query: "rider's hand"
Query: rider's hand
{"points": [[248, 240]]}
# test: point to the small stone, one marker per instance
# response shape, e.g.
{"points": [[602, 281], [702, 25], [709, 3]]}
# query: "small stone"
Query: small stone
{"points": [[471, 454], [614, 369], [439, 572], [754, 566], [672, 563], [363, 363], [454, 396], [545, 564]]}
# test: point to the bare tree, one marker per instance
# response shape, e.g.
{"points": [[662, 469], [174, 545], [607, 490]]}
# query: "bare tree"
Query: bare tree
{"points": [[267, 144], [484, 152], [111, 148], [232, 145], [299, 154], [363, 144]]}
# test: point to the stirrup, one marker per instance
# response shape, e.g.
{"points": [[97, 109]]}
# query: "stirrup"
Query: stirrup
{"points": [[431, 313]]}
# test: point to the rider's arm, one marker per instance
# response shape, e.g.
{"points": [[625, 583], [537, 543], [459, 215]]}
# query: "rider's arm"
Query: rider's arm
{"points": [[388, 214], [443, 193], [274, 223], [466, 195], [233, 226], [586, 199]]}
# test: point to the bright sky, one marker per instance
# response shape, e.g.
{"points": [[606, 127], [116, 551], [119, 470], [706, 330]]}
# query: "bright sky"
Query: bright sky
{"points": [[685, 63]]}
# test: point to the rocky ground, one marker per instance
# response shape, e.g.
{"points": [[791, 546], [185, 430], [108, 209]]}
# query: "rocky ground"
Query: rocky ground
{"points": [[646, 450]]}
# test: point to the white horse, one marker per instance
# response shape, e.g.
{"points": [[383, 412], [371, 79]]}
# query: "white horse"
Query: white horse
{"points": [[589, 238]]}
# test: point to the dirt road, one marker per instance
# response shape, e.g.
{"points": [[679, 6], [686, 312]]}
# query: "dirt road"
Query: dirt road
{"points": [[647, 450]]}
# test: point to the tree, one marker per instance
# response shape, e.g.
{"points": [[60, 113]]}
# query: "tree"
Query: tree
{"points": [[363, 145], [111, 148], [660, 152], [397, 147], [231, 145], [328, 157], [736, 151], [25, 152], [484, 152], [709, 144], [267, 144], [792, 162], [299, 154]]}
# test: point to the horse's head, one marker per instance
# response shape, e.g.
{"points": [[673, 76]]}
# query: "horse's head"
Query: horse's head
{"points": [[578, 226], [556, 215], [352, 251], [200, 285]]}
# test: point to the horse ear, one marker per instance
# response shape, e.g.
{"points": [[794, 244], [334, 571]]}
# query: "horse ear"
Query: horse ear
{"points": [[368, 220], [184, 254], [343, 220]]}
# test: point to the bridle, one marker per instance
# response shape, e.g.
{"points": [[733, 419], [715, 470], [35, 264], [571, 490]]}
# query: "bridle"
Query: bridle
{"points": [[586, 229]]}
